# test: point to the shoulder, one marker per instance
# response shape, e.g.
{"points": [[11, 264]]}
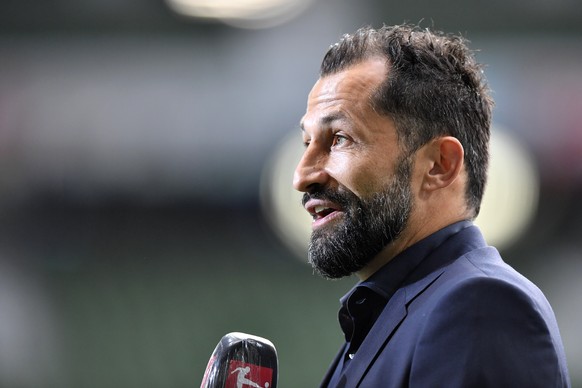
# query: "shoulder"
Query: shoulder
{"points": [[484, 316], [482, 281]]}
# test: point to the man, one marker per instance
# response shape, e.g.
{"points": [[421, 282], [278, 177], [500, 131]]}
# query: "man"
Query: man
{"points": [[396, 140]]}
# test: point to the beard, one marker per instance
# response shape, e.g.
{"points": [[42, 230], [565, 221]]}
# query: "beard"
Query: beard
{"points": [[367, 227]]}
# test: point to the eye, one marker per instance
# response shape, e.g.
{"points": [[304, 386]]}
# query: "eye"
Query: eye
{"points": [[339, 140]]}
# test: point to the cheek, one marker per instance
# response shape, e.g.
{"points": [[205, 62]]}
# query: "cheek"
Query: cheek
{"points": [[358, 176]]}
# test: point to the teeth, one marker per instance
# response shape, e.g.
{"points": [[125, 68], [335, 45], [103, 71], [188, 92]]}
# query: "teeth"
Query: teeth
{"points": [[319, 209]]}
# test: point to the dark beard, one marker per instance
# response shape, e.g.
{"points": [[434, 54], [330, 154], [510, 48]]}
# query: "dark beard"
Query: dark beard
{"points": [[368, 225]]}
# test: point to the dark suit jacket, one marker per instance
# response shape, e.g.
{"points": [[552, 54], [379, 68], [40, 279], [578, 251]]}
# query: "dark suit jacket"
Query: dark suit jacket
{"points": [[463, 318]]}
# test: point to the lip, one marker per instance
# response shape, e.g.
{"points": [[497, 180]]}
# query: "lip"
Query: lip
{"points": [[322, 211]]}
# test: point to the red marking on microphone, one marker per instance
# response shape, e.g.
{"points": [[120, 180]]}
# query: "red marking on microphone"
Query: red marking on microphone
{"points": [[244, 375]]}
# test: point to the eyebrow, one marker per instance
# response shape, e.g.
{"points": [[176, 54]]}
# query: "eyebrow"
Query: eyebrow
{"points": [[326, 120]]}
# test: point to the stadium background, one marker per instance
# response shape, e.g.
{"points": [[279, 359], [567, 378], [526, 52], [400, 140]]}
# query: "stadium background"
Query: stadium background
{"points": [[134, 152]]}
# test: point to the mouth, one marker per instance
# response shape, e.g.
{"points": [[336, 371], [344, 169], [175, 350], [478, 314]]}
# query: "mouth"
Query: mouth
{"points": [[322, 211]]}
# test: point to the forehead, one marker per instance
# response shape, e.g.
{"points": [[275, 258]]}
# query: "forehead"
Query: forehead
{"points": [[345, 93]]}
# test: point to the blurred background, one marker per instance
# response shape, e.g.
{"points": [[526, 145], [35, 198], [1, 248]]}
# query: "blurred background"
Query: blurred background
{"points": [[145, 157]]}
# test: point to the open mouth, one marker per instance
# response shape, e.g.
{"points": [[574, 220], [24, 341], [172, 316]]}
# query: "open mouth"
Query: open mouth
{"points": [[322, 211]]}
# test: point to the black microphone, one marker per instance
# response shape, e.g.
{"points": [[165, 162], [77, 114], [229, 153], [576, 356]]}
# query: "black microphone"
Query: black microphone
{"points": [[242, 361]]}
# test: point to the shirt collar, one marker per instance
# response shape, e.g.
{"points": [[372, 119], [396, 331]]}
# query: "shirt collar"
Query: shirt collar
{"points": [[390, 277], [365, 302]]}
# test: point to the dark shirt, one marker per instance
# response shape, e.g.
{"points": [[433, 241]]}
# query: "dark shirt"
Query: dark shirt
{"points": [[364, 303]]}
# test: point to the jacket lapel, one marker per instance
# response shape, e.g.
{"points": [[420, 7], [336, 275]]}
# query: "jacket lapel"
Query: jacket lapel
{"points": [[387, 322], [396, 309], [391, 317], [334, 365]]}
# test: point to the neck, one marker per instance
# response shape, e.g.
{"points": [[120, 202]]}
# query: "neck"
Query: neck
{"points": [[405, 240]]}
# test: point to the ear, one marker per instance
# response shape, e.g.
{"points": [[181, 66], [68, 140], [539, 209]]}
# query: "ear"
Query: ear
{"points": [[445, 162]]}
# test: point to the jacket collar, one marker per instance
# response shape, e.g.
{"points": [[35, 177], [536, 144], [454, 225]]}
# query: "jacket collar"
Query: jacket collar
{"points": [[427, 272]]}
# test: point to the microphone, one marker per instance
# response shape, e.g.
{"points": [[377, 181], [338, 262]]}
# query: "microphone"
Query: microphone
{"points": [[242, 361]]}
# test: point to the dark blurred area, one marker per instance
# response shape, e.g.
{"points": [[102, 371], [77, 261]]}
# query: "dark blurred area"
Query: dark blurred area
{"points": [[133, 146]]}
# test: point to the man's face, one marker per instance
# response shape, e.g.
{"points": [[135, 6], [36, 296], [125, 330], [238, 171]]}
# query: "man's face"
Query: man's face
{"points": [[356, 180]]}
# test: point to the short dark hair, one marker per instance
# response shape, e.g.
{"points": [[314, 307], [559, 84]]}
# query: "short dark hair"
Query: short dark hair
{"points": [[434, 87]]}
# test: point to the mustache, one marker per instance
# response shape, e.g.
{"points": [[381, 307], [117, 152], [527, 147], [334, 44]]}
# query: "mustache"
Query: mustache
{"points": [[340, 197]]}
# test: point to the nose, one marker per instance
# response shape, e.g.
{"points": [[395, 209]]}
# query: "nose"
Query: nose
{"points": [[311, 170]]}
